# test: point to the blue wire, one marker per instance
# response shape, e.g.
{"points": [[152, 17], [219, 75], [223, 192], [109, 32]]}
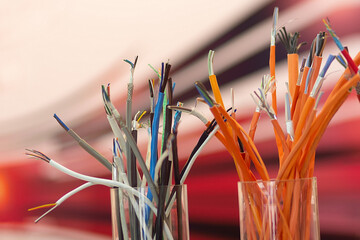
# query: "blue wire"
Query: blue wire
{"points": [[61, 122], [203, 96], [308, 80], [153, 146], [162, 76], [327, 65], [177, 117]]}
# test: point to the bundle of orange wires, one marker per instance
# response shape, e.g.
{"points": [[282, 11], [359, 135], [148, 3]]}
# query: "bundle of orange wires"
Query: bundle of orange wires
{"points": [[305, 125]]}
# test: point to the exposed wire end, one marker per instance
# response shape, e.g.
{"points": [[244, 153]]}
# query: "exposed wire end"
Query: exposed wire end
{"points": [[303, 65], [161, 78], [267, 84], [180, 108], [105, 93], [320, 79], [46, 213], [136, 116], [164, 76], [333, 34], [204, 93], [311, 54], [301, 71], [117, 148], [177, 117], [114, 147], [151, 88], [353, 67], [108, 90], [341, 60], [263, 104], [132, 69], [156, 71], [273, 29], [42, 206], [201, 100], [318, 100], [210, 62], [106, 100], [38, 155], [61, 122], [320, 43], [132, 64], [141, 115], [327, 65], [290, 41]]}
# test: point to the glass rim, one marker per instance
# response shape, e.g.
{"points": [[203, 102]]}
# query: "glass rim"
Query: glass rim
{"points": [[277, 180], [158, 187]]}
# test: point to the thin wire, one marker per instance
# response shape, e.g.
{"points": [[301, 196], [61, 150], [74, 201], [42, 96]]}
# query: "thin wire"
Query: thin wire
{"points": [[85, 145], [320, 78], [204, 94], [290, 41], [210, 62], [190, 111], [62, 124], [273, 29], [99, 181]]}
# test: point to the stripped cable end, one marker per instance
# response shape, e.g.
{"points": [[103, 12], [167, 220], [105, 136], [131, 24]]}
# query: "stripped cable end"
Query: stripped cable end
{"points": [[210, 62], [273, 29], [38, 155], [42, 206], [62, 124], [46, 213], [204, 93]]}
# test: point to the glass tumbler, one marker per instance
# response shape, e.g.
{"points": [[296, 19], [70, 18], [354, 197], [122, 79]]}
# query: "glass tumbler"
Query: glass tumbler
{"points": [[134, 216], [281, 210]]}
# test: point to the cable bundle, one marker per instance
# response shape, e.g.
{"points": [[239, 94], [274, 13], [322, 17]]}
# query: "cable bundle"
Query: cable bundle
{"points": [[159, 169], [305, 124]]}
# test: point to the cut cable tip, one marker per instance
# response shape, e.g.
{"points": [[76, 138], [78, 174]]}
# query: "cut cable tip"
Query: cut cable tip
{"points": [[61, 122]]}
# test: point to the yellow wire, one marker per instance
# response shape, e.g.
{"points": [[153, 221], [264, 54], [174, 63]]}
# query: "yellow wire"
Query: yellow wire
{"points": [[141, 116], [42, 206]]}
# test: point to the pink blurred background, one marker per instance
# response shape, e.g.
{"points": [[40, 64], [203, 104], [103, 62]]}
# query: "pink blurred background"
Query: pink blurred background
{"points": [[54, 56]]}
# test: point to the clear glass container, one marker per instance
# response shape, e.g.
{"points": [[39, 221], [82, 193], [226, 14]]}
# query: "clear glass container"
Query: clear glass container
{"points": [[279, 210], [135, 217]]}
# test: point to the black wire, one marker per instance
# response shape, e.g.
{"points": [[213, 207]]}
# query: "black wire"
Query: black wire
{"points": [[290, 40], [166, 77]]}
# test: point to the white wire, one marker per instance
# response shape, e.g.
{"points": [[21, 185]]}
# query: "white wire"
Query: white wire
{"points": [[100, 181], [66, 196], [111, 183], [199, 115], [117, 175], [74, 191]]}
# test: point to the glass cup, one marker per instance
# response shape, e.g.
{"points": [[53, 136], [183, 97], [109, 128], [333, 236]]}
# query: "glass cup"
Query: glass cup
{"points": [[286, 209], [134, 216]]}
